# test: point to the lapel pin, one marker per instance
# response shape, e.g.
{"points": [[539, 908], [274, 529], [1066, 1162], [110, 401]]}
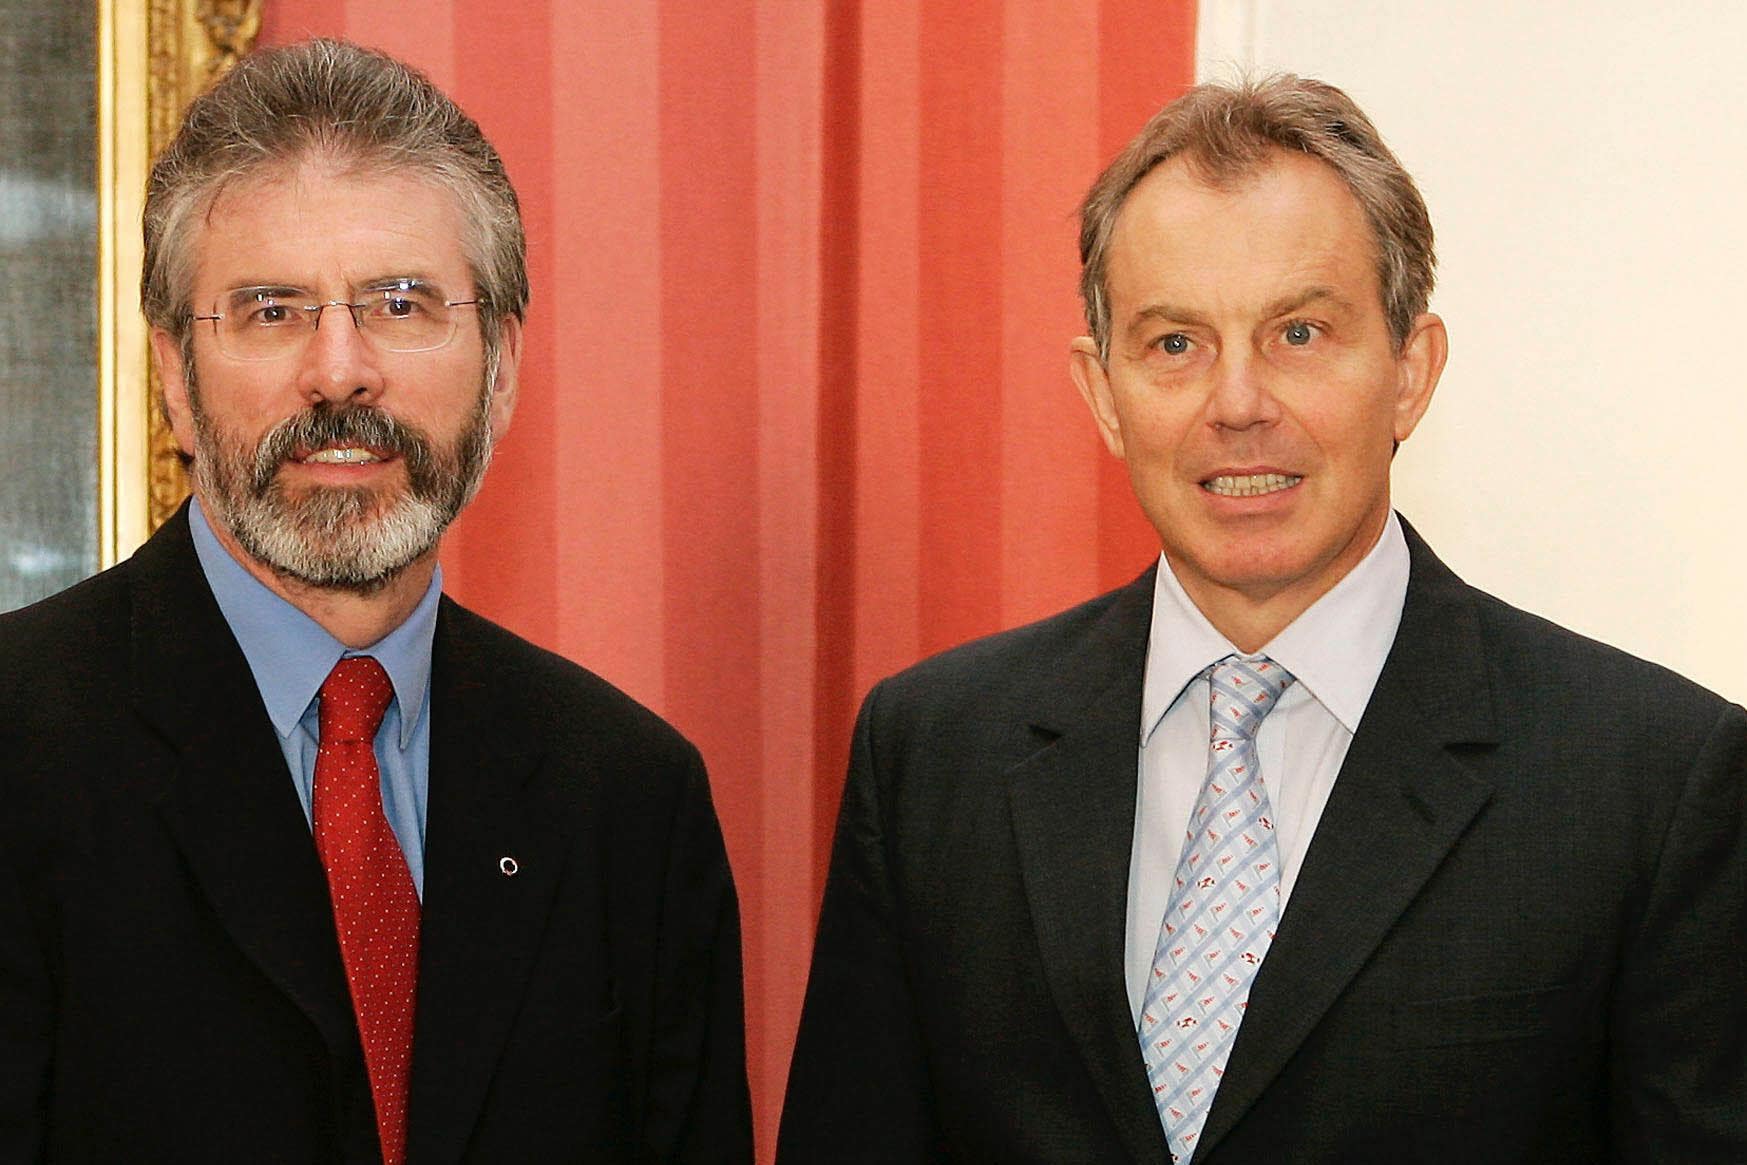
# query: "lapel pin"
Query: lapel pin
{"points": [[508, 866]]}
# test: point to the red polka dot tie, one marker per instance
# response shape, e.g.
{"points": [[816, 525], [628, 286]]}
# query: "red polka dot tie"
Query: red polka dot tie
{"points": [[376, 908]]}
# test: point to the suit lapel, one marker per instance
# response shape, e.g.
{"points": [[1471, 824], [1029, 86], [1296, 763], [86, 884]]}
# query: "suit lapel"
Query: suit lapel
{"points": [[231, 805], [1073, 821], [480, 925], [1399, 805]]}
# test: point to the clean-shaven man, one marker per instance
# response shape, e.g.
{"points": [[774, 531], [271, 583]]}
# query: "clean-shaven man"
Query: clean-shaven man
{"points": [[1297, 849]]}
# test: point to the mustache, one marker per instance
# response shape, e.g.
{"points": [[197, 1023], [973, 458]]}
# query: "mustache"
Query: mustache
{"points": [[323, 425]]}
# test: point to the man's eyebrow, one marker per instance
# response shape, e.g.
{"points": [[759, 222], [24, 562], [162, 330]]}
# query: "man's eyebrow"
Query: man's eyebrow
{"points": [[257, 290], [1164, 313], [405, 281], [1297, 301], [408, 282]]}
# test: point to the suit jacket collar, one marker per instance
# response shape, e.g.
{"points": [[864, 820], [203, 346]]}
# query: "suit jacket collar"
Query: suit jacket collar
{"points": [[1401, 801]]}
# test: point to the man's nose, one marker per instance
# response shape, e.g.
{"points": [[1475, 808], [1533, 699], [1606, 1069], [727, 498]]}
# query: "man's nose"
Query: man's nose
{"points": [[340, 364], [1241, 395]]}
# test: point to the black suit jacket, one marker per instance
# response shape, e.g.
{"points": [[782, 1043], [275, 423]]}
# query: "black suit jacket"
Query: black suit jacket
{"points": [[170, 983], [1517, 935]]}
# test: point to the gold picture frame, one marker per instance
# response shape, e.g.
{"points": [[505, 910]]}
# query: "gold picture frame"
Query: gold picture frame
{"points": [[152, 58]]}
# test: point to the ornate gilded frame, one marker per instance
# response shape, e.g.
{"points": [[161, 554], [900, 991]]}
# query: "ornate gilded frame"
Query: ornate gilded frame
{"points": [[152, 57]]}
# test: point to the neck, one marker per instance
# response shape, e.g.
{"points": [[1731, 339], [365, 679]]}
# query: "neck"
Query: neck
{"points": [[356, 620], [1250, 626], [1250, 617]]}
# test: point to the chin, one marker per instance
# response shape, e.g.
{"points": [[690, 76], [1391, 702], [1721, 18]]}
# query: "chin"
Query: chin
{"points": [[345, 539], [1256, 567]]}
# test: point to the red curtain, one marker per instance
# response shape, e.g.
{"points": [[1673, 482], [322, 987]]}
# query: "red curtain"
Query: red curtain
{"points": [[795, 410]]}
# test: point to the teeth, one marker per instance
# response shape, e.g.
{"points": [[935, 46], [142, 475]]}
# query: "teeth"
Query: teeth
{"points": [[341, 457], [1249, 485]]}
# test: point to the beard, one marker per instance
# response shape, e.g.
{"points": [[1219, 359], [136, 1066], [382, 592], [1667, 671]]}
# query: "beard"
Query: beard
{"points": [[346, 538]]}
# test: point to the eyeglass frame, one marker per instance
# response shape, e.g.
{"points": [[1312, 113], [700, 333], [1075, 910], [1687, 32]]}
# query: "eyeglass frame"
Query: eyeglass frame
{"points": [[319, 308]]}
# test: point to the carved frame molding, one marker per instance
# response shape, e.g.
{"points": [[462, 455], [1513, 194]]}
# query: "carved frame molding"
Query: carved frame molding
{"points": [[152, 58]]}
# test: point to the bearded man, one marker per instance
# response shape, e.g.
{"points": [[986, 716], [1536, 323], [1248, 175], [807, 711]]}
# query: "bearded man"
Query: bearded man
{"points": [[302, 861]]}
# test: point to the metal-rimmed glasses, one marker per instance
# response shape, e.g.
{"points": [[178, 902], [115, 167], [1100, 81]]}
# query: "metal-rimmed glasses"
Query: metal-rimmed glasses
{"points": [[271, 323]]}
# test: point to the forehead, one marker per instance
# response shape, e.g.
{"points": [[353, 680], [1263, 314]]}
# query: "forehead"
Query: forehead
{"points": [[1290, 223], [321, 225]]}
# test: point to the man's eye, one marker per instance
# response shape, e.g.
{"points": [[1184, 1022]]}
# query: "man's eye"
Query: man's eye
{"points": [[1298, 333], [1174, 344], [398, 306], [272, 315]]}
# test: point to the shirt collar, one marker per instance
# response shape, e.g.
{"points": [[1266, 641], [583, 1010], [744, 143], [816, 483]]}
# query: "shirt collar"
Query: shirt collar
{"points": [[1335, 649], [291, 654]]}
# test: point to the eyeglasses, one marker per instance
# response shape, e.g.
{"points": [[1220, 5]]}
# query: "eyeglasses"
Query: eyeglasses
{"points": [[271, 323]]}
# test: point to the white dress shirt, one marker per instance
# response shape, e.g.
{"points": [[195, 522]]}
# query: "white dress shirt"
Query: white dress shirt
{"points": [[1334, 651]]}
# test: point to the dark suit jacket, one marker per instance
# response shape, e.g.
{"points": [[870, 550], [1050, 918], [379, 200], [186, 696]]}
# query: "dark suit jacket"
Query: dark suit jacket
{"points": [[170, 984], [1517, 935]]}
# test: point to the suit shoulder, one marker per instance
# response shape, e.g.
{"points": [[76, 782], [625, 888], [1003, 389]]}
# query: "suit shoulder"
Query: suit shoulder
{"points": [[1547, 667], [77, 630], [1530, 649], [561, 696], [1069, 655], [94, 604]]}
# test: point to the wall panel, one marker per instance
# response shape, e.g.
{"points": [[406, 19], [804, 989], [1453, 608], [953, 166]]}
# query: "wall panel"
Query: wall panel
{"points": [[1580, 458]]}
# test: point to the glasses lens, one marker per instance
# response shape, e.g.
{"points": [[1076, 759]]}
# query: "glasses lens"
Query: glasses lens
{"points": [[406, 319], [262, 324]]}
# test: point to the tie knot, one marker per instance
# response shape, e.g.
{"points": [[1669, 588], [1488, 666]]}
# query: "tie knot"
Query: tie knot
{"points": [[1244, 692], [353, 699]]}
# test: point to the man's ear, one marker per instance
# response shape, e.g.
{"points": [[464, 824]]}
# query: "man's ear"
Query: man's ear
{"points": [[1418, 368], [1093, 381], [173, 376], [507, 381]]}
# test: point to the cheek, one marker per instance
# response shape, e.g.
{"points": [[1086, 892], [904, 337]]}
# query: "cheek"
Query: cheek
{"points": [[1158, 427], [241, 410], [238, 413], [1350, 422]]}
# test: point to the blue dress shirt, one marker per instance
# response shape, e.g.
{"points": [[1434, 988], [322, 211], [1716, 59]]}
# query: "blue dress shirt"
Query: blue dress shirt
{"points": [[291, 655]]}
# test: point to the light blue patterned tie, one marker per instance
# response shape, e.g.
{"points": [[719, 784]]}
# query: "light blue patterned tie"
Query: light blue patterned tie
{"points": [[1221, 918]]}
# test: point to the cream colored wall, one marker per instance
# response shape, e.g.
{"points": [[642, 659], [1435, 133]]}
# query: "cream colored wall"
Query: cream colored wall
{"points": [[1586, 169]]}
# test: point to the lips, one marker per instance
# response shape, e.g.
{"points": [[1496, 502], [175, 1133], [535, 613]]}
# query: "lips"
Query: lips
{"points": [[1249, 485]]}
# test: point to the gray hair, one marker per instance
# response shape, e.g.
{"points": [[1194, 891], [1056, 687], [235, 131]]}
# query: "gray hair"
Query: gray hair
{"points": [[1226, 133], [281, 105]]}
